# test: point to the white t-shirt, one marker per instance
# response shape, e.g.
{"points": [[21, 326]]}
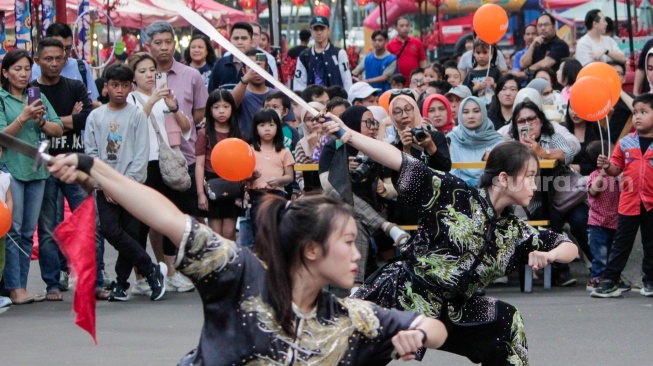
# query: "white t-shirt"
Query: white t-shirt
{"points": [[158, 112], [586, 47], [4, 185]]}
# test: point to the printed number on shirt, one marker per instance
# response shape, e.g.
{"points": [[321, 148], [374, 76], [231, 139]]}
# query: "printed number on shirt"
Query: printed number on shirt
{"points": [[344, 67], [298, 74]]}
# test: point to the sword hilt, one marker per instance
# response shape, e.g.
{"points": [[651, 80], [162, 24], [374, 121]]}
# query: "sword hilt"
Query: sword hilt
{"points": [[42, 157], [341, 131]]}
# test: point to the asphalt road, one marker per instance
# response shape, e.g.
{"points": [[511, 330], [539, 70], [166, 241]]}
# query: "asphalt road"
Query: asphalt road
{"points": [[564, 327]]}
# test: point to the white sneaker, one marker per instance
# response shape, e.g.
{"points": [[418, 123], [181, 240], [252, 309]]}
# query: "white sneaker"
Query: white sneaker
{"points": [[501, 280], [178, 283], [141, 288], [5, 302]]}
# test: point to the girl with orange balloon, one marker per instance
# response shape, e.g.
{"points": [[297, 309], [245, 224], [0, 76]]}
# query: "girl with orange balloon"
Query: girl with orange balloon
{"points": [[274, 162], [6, 206], [221, 124]]}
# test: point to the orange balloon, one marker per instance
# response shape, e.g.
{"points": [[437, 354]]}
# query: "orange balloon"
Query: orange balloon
{"points": [[5, 219], [590, 98], [384, 100], [606, 73], [233, 159], [490, 23]]}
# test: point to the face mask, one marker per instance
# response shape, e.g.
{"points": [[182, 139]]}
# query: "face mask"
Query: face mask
{"points": [[548, 100], [279, 113]]}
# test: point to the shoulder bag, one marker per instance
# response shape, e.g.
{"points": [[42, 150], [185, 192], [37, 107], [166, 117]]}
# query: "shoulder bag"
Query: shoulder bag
{"points": [[174, 169]]}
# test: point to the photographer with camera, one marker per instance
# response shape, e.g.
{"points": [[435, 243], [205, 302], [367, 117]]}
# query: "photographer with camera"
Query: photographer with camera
{"points": [[364, 174], [415, 138]]}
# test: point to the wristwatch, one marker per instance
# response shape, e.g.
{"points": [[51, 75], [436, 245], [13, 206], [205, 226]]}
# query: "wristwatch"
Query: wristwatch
{"points": [[607, 51]]}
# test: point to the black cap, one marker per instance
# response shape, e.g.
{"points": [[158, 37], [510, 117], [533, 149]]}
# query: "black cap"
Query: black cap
{"points": [[319, 22]]}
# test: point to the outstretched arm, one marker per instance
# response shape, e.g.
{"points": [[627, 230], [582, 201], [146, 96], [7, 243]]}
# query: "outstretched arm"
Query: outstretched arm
{"points": [[378, 150], [431, 334], [146, 204]]}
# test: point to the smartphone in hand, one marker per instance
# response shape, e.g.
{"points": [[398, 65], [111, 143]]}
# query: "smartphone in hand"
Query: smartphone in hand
{"points": [[33, 94], [161, 78], [525, 132]]}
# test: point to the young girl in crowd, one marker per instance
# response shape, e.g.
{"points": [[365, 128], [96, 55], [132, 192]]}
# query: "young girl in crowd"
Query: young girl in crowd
{"points": [[270, 308], [432, 73], [452, 74], [466, 238], [604, 209], [5, 196], [221, 123], [478, 80], [436, 111], [566, 75], [274, 162]]}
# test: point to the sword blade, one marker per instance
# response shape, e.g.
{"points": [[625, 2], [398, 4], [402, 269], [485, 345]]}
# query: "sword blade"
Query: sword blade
{"points": [[202, 24], [23, 148]]}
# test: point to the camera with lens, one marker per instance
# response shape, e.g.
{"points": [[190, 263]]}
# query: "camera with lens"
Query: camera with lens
{"points": [[419, 133], [365, 170]]}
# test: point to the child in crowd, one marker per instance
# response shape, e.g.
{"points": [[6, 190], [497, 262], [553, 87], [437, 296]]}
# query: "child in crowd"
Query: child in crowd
{"points": [[274, 162], [221, 123], [566, 75], [117, 133], [604, 202], [281, 104], [337, 105], [5, 196], [417, 82], [397, 81], [451, 73], [633, 156], [432, 73], [479, 80]]}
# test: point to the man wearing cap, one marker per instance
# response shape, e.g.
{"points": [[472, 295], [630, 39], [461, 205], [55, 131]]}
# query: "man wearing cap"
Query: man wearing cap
{"points": [[323, 64], [379, 65], [409, 50], [363, 94], [455, 95]]}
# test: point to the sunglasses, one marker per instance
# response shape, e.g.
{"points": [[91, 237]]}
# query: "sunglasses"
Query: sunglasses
{"points": [[397, 92], [371, 123], [529, 120]]}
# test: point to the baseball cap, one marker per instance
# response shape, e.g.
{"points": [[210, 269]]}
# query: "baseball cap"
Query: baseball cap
{"points": [[461, 91], [360, 90], [319, 21]]}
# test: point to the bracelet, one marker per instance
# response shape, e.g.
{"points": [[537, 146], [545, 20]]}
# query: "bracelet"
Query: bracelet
{"points": [[43, 121], [176, 108], [426, 338], [243, 81], [20, 122]]}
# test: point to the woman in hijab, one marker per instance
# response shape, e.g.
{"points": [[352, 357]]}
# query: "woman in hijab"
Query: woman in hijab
{"points": [[437, 110], [473, 139], [305, 152], [553, 105]]}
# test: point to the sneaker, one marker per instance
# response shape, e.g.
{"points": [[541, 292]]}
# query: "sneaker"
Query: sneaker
{"points": [[5, 302], [592, 284], [606, 289], [64, 280], [141, 288], [647, 289], [624, 285], [118, 292], [501, 280], [178, 283], [564, 279], [156, 280]]}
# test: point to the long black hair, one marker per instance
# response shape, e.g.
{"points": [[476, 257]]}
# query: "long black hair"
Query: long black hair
{"points": [[547, 127], [510, 157], [9, 60], [284, 233], [263, 116], [494, 110], [570, 70], [591, 129], [221, 95]]}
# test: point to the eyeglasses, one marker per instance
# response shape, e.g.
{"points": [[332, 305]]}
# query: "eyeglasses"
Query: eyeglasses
{"points": [[545, 25], [398, 112], [371, 123], [529, 120], [418, 82]]}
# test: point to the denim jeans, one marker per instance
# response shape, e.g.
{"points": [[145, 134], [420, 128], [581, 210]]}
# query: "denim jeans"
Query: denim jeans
{"points": [[245, 231], [27, 196], [51, 260], [601, 239]]}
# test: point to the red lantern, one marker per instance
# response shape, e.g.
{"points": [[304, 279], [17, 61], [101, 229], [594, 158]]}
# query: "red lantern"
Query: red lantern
{"points": [[322, 11], [247, 4], [298, 2], [362, 2]]}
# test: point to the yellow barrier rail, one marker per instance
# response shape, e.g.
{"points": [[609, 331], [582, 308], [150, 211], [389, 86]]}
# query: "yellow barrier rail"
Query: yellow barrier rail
{"points": [[544, 164]]}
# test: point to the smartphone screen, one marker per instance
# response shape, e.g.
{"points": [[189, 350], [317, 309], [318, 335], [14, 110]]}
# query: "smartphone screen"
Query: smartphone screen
{"points": [[33, 94], [525, 130], [161, 78]]}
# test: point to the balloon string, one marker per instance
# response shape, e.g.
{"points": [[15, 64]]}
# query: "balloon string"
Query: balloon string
{"points": [[607, 126], [601, 135], [487, 75]]}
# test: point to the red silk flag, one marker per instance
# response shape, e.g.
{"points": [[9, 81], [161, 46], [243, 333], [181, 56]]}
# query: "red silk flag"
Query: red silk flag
{"points": [[76, 239]]}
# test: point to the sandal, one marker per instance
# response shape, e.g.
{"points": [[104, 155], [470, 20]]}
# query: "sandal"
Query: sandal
{"points": [[39, 298], [101, 293], [26, 300], [54, 295]]}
